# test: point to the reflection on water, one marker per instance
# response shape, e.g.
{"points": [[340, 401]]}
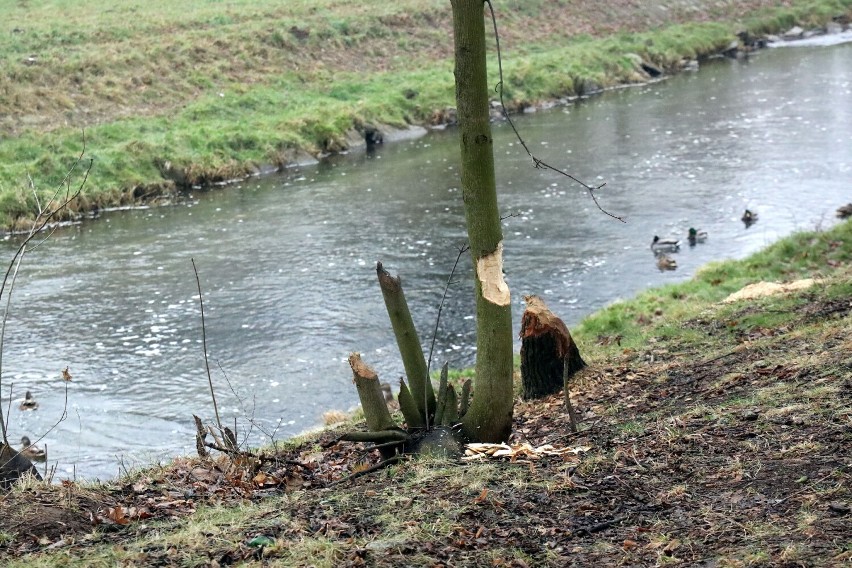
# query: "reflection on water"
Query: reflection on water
{"points": [[288, 265]]}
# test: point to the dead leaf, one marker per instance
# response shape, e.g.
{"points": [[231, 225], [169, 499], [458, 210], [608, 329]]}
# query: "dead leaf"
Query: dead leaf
{"points": [[66, 375], [482, 496], [117, 515]]}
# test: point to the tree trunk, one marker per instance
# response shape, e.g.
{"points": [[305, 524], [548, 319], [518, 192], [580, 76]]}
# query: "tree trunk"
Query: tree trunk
{"points": [[489, 418], [548, 354], [379, 422], [407, 341]]}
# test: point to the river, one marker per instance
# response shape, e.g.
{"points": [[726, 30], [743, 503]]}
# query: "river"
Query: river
{"points": [[287, 263]]}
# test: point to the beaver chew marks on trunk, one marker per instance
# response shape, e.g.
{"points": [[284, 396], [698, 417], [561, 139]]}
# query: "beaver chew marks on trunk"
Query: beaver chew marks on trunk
{"points": [[489, 269], [546, 350]]}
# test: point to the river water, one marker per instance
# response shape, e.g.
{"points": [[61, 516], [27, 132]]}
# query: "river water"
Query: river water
{"points": [[287, 263]]}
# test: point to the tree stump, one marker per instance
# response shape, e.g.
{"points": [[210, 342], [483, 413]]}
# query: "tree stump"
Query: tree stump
{"points": [[548, 354]]}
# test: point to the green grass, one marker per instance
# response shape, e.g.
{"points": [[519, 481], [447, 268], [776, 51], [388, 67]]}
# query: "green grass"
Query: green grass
{"points": [[216, 89], [662, 310]]}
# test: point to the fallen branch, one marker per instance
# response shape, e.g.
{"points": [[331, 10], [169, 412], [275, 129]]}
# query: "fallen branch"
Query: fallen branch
{"points": [[371, 469]]}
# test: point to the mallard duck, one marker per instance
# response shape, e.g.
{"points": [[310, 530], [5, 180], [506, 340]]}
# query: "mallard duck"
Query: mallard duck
{"points": [[31, 451], [696, 236], [665, 262], [844, 211], [29, 403], [749, 217], [664, 244]]}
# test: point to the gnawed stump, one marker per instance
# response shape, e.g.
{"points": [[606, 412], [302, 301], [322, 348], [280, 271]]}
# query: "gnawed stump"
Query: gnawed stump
{"points": [[547, 351]]}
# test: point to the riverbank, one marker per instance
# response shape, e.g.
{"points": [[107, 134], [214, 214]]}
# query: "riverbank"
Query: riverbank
{"points": [[715, 432], [174, 98]]}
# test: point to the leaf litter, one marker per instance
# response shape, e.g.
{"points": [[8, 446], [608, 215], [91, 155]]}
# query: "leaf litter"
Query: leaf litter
{"points": [[731, 450]]}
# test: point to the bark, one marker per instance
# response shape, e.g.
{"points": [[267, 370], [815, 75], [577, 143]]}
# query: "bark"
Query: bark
{"points": [[549, 356], [489, 417], [409, 344], [382, 428], [442, 395], [464, 404], [200, 438], [370, 393], [413, 418], [378, 437], [451, 408]]}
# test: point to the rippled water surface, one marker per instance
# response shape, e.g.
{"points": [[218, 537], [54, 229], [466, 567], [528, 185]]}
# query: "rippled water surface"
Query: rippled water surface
{"points": [[287, 265]]}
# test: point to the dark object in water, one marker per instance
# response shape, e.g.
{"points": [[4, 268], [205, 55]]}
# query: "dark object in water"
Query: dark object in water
{"points": [[749, 218]]}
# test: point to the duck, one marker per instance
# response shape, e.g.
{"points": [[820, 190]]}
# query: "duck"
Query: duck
{"points": [[659, 244], [749, 217], [665, 262], [844, 211], [29, 403], [31, 451], [696, 236]]}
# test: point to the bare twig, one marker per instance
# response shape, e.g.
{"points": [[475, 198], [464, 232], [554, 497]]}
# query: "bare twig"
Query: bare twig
{"points": [[204, 346], [539, 164], [371, 469], [583, 531], [462, 249], [250, 414], [43, 216]]}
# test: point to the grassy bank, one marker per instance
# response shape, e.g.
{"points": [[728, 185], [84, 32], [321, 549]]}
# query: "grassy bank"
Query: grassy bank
{"points": [[177, 94], [715, 434]]}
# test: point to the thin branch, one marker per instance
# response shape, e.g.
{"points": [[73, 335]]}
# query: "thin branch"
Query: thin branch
{"points": [[3, 336], [204, 346], [462, 249], [42, 218], [371, 469], [539, 164], [4, 420]]}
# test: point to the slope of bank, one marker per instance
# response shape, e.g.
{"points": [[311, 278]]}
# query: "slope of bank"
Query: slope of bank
{"points": [[164, 97], [715, 432]]}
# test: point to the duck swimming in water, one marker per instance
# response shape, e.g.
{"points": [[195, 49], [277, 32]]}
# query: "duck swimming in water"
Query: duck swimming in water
{"points": [[659, 244], [29, 403], [696, 236], [31, 451], [665, 262], [844, 211], [749, 217]]}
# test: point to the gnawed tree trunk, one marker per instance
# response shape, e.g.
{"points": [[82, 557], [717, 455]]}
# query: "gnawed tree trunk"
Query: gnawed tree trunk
{"points": [[382, 428], [419, 385], [489, 417], [549, 357], [391, 440]]}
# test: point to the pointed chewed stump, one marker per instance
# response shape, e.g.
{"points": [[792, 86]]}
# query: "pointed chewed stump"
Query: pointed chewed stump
{"points": [[548, 354]]}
